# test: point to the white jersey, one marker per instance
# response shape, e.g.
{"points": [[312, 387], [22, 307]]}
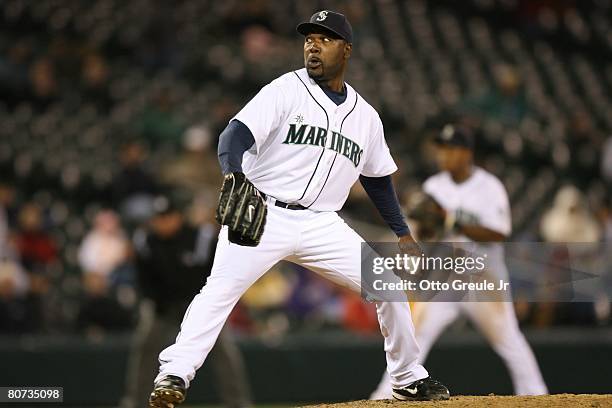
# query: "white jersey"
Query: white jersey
{"points": [[482, 195], [308, 150]]}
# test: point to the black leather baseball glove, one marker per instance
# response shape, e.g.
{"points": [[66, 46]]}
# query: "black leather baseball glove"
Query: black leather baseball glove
{"points": [[428, 214], [243, 209]]}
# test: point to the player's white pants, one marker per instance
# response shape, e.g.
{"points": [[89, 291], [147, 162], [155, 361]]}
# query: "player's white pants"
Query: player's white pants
{"points": [[497, 322], [320, 241]]}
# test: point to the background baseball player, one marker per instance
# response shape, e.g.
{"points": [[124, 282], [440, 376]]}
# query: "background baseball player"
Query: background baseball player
{"points": [[477, 210], [305, 139]]}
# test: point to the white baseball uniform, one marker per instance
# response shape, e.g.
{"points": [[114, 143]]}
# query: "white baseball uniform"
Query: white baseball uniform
{"points": [[308, 151], [484, 196]]}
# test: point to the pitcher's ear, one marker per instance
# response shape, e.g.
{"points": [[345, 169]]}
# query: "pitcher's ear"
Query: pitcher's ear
{"points": [[348, 49]]}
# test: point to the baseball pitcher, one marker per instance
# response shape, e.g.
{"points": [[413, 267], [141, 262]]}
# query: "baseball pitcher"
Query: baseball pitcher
{"points": [[289, 158]]}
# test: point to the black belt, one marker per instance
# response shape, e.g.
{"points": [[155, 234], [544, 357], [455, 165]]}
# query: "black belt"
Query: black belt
{"points": [[289, 206], [281, 204]]}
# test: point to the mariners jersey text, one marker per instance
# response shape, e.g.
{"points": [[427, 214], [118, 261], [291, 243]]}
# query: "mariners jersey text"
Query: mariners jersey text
{"points": [[317, 136]]}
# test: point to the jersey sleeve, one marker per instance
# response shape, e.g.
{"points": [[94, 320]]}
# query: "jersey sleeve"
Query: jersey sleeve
{"points": [[264, 113], [495, 215], [430, 187], [379, 162]]}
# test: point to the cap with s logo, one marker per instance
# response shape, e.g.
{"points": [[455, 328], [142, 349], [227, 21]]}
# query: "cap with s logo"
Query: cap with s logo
{"points": [[330, 20], [453, 135]]}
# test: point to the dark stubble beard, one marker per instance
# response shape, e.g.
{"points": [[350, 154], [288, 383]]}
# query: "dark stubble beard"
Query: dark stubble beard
{"points": [[314, 75]]}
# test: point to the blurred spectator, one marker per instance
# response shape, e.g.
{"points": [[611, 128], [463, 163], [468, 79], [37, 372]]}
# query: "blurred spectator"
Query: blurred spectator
{"points": [[100, 312], [173, 261], [265, 300], [585, 142], [158, 47], [105, 247], [505, 102], [311, 299], [255, 12], [4, 233], [17, 312], [315, 303], [358, 316], [43, 83], [102, 255], [605, 219], [94, 77], [7, 202], [263, 52], [358, 202], [14, 72], [65, 53], [133, 188], [257, 44], [38, 253], [203, 207], [158, 123], [569, 219], [606, 161], [36, 248], [197, 167], [221, 112]]}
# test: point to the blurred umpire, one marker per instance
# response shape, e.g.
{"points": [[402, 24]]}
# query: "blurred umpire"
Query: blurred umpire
{"points": [[173, 259]]}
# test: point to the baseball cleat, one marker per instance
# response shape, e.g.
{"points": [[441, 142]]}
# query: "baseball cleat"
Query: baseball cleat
{"points": [[426, 389], [168, 392]]}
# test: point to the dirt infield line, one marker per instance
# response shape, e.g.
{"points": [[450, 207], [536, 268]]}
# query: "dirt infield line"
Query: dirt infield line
{"points": [[467, 401]]}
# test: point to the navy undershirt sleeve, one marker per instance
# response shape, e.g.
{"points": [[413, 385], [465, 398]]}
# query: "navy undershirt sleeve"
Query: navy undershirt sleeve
{"points": [[381, 192], [235, 139]]}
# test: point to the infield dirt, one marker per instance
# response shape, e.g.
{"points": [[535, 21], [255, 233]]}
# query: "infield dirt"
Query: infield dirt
{"points": [[546, 401]]}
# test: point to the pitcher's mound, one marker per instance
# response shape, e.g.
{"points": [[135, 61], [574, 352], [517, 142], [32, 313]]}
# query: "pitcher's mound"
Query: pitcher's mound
{"points": [[552, 401]]}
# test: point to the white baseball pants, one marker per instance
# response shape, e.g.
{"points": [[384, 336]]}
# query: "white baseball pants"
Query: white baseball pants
{"points": [[497, 322], [320, 241]]}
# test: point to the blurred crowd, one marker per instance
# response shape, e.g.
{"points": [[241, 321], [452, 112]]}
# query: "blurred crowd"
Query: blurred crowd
{"points": [[108, 107], [140, 251]]}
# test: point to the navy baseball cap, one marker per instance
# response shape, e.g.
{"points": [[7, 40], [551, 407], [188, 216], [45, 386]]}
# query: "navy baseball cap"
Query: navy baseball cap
{"points": [[452, 135], [164, 205], [330, 20]]}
